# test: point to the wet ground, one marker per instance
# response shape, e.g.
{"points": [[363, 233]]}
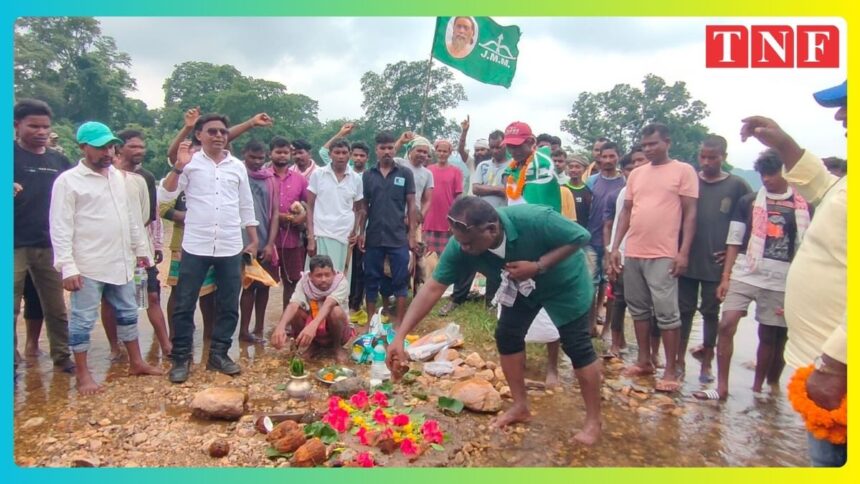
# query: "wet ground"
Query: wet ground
{"points": [[144, 421]]}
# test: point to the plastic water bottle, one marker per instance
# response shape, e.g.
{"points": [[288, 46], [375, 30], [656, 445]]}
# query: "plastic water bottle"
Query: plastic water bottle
{"points": [[140, 287], [378, 371]]}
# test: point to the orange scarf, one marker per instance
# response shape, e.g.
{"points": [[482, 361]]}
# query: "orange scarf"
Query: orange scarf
{"points": [[514, 193]]}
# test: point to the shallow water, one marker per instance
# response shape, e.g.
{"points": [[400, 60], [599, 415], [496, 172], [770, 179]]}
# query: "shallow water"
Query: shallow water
{"points": [[744, 431]]}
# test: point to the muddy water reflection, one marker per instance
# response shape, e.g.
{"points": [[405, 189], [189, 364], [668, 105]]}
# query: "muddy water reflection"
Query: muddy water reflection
{"points": [[744, 431]]}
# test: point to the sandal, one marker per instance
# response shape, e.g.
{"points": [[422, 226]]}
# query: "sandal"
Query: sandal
{"points": [[707, 395]]}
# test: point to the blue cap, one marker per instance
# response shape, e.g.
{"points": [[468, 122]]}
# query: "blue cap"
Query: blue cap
{"points": [[96, 134], [833, 97]]}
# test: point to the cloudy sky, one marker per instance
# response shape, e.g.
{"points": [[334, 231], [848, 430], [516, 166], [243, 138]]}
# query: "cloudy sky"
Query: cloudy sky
{"points": [[324, 58]]}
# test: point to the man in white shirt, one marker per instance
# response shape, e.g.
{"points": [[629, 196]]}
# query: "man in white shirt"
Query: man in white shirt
{"points": [[219, 205], [97, 242], [334, 211]]}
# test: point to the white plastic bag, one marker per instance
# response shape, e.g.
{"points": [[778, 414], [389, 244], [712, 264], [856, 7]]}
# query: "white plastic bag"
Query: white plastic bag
{"points": [[430, 344], [438, 368], [542, 329]]}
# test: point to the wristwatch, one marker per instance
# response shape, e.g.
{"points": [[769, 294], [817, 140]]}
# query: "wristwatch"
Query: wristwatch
{"points": [[541, 268], [821, 367], [177, 171]]}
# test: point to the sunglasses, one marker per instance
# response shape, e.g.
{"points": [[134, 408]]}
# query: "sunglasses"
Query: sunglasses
{"points": [[217, 131], [463, 226]]}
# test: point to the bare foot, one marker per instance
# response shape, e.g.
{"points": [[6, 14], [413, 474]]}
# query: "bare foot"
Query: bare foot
{"points": [[247, 338], [552, 380], [167, 350], [513, 415], [33, 351], [258, 337], [144, 369], [637, 370], [87, 386], [116, 355], [589, 434], [756, 388], [341, 356]]}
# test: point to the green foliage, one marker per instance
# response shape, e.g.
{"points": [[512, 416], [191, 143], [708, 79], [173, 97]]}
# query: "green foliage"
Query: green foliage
{"points": [[394, 99], [321, 430], [450, 405], [622, 112]]}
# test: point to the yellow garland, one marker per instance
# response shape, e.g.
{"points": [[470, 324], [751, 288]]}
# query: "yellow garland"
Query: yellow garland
{"points": [[830, 425], [521, 180]]}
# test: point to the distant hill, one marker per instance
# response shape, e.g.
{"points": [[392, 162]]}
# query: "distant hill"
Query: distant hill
{"points": [[751, 176]]}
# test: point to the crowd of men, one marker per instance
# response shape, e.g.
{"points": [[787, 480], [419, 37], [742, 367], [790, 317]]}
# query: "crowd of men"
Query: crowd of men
{"points": [[549, 230]]}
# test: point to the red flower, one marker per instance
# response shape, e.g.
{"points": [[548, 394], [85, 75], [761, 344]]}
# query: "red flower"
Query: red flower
{"points": [[360, 400], [400, 420], [408, 447], [333, 403], [380, 399], [431, 432], [338, 418], [365, 459], [380, 417]]}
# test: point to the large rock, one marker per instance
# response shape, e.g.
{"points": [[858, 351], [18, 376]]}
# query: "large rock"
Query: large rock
{"points": [[349, 387], [220, 403], [463, 372], [486, 375], [478, 395]]}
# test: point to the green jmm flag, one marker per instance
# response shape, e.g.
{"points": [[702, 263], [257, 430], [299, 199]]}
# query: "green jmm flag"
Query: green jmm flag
{"points": [[478, 47]]}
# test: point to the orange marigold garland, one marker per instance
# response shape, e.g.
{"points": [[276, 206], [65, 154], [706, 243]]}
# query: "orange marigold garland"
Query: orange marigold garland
{"points": [[830, 425], [315, 308], [516, 193]]}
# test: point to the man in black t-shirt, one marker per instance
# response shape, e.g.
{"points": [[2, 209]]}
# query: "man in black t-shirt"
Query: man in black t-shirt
{"points": [[719, 193], [36, 167]]}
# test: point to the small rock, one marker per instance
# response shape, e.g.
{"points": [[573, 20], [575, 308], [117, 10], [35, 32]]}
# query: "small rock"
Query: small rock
{"points": [[460, 458], [246, 432], [222, 379], [33, 422], [491, 365], [485, 375], [139, 438], [500, 375], [645, 411], [95, 445], [349, 387], [49, 441], [451, 355], [478, 395], [221, 403], [445, 385], [677, 412], [475, 361], [505, 392], [86, 462], [104, 422], [463, 372], [219, 448]]}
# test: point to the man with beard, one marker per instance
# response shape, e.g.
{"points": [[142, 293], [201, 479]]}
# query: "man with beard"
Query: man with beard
{"points": [[303, 164], [97, 242], [389, 193], [292, 192], [219, 207], [462, 37], [594, 167]]}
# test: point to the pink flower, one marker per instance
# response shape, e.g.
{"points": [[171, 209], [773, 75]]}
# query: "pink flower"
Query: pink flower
{"points": [[408, 447], [362, 436], [380, 417], [334, 403], [360, 400], [365, 459], [400, 420], [380, 399], [431, 432], [338, 418]]}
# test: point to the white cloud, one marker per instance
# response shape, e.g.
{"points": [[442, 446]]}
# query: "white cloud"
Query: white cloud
{"points": [[324, 58]]}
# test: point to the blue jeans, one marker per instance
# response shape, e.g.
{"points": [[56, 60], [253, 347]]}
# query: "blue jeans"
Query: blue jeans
{"points": [[85, 311], [374, 263], [824, 454], [228, 279]]}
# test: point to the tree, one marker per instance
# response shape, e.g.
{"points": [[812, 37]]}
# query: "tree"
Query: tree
{"points": [[622, 112], [394, 100], [68, 63]]}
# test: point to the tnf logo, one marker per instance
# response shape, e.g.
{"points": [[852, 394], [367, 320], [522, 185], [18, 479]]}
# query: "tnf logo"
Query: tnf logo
{"points": [[779, 46]]}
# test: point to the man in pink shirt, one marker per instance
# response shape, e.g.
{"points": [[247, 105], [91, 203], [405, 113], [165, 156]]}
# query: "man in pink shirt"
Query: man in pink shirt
{"points": [[659, 207], [448, 181]]}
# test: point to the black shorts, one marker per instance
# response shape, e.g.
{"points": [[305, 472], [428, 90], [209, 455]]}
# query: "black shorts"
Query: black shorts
{"points": [[152, 284], [515, 321]]}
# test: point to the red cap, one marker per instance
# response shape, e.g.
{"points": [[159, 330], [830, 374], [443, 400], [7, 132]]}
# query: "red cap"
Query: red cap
{"points": [[517, 133]]}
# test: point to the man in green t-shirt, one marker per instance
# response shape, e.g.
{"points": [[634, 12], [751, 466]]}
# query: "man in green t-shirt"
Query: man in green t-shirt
{"points": [[539, 251]]}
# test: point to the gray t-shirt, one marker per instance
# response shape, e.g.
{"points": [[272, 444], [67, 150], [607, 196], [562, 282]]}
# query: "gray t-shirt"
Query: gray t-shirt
{"points": [[715, 206], [423, 179], [490, 173], [262, 211]]}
